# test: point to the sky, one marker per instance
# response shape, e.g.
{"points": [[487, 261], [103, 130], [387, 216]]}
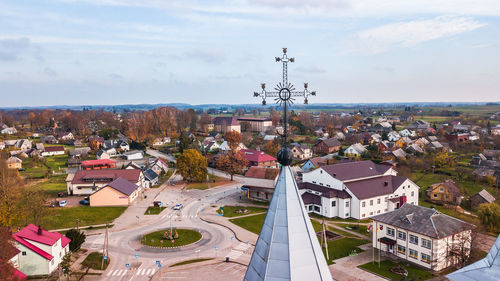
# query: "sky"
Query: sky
{"points": [[88, 52]]}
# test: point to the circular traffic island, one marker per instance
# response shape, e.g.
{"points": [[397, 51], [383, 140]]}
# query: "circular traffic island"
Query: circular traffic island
{"points": [[165, 239]]}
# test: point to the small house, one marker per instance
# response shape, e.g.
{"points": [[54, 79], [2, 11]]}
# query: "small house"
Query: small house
{"points": [[445, 193], [14, 163], [53, 150], [327, 146], [133, 155], [119, 192], [481, 197], [151, 177]]}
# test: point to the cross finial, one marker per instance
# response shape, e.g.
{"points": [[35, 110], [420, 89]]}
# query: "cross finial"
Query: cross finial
{"points": [[284, 94]]}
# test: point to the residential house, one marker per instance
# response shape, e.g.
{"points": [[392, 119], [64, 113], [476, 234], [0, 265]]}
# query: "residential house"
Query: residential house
{"points": [[407, 140], [119, 192], [134, 165], [399, 153], [9, 131], [53, 150], [159, 166], [87, 182], [257, 124], [393, 136], [133, 155], [14, 163], [97, 139], [225, 146], [415, 148], [210, 146], [151, 177], [74, 162], [41, 251], [457, 137], [48, 139], [406, 118], [2, 145], [400, 143], [382, 127], [327, 146], [98, 164], [422, 142], [445, 193], [101, 154], [75, 143], [422, 236], [355, 150], [419, 125], [407, 133], [65, 136], [258, 158], [270, 137], [313, 163], [432, 138], [435, 146], [386, 146], [481, 197], [79, 152], [13, 263], [376, 138], [301, 151], [356, 189], [226, 124]]}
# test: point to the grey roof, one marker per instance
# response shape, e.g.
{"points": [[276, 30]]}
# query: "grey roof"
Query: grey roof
{"points": [[354, 170], [309, 198], [150, 174], [331, 142], [372, 187], [123, 185], [425, 221], [327, 192], [486, 196], [487, 269], [287, 247]]}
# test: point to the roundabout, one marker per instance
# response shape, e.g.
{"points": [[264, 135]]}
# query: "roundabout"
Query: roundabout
{"points": [[178, 238]]}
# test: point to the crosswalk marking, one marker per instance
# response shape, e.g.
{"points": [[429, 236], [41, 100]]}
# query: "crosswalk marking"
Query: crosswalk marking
{"points": [[139, 272], [109, 273], [124, 272], [149, 271], [116, 272]]}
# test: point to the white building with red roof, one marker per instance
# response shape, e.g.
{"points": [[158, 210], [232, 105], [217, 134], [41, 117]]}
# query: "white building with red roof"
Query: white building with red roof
{"points": [[41, 251]]}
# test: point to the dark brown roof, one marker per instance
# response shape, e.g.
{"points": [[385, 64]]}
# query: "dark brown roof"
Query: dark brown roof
{"points": [[227, 121], [428, 222], [372, 187], [331, 142], [123, 186], [107, 175], [354, 170], [449, 185], [262, 173], [327, 192], [309, 198], [53, 148]]}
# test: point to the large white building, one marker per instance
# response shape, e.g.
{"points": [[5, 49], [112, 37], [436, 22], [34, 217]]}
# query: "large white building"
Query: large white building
{"points": [[422, 236], [41, 251], [356, 190]]}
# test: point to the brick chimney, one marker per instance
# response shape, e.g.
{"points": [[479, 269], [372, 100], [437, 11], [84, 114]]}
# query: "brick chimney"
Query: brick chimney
{"points": [[39, 232]]}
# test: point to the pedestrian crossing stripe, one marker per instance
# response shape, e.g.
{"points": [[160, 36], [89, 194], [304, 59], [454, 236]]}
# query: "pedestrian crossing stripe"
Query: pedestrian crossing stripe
{"points": [[122, 272]]}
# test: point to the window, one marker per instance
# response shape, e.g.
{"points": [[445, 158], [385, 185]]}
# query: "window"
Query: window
{"points": [[412, 193], [347, 203], [378, 201], [402, 235], [378, 212], [404, 194], [23, 253], [390, 231], [440, 189], [363, 215], [314, 182], [371, 202], [363, 204], [401, 249], [413, 254], [414, 239], [371, 213], [435, 195], [426, 258], [347, 214], [426, 243], [386, 199], [334, 203]]}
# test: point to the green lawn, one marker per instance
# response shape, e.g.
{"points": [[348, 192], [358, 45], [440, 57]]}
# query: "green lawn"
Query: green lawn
{"points": [[254, 223], [94, 261], [414, 273], [186, 236], [154, 210], [191, 261], [343, 247], [230, 211], [65, 217], [53, 185], [361, 229], [56, 162]]}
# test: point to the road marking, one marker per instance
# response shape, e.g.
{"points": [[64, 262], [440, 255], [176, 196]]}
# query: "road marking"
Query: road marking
{"points": [[149, 270], [109, 273], [116, 272], [153, 271], [124, 272], [139, 271]]}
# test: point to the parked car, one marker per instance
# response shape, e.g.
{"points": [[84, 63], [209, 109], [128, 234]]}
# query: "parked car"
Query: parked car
{"points": [[84, 202], [178, 206], [63, 203], [157, 203]]}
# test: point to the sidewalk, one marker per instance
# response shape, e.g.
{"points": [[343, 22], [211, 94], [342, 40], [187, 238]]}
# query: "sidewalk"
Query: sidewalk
{"points": [[240, 233], [347, 268]]}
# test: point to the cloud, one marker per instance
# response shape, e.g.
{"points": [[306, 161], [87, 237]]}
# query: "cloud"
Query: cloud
{"points": [[311, 69], [207, 55], [115, 76], [11, 49], [408, 34], [50, 72]]}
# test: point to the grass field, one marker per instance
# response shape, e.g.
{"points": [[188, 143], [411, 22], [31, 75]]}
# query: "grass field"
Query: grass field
{"points": [[191, 261], [343, 247], [254, 223], [186, 236], [414, 273], [361, 229], [229, 211], [94, 261], [65, 217], [154, 210], [53, 185], [210, 184]]}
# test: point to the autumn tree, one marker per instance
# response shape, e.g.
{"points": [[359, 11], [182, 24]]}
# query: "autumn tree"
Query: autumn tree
{"points": [[272, 147], [489, 213], [6, 253], [192, 166], [11, 192], [233, 139], [34, 204], [442, 159], [232, 162]]}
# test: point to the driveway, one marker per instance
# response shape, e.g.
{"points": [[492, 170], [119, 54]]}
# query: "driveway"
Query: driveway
{"points": [[347, 268]]}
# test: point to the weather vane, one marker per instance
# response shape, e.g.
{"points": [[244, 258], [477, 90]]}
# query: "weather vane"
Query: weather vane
{"points": [[285, 95]]}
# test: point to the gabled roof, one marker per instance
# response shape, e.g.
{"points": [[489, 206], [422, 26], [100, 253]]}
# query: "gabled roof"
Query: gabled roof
{"points": [[256, 155], [123, 186], [262, 173], [53, 148], [449, 185], [355, 170], [309, 198], [227, 121], [30, 233], [150, 174], [487, 269], [486, 196], [331, 142], [425, 221], [372, 187], [84, 176], [287, 247]]}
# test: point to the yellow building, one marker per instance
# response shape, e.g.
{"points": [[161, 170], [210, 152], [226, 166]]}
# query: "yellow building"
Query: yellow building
{"points": [[14, 163], [119, 192]]}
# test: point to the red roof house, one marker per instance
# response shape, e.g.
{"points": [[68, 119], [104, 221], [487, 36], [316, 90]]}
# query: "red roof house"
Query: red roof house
{"points": [[98, 164], [258, 158]]}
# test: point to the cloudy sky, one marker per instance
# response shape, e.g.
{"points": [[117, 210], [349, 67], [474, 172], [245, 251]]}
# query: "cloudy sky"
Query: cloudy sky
{"points": [[74, 52]]}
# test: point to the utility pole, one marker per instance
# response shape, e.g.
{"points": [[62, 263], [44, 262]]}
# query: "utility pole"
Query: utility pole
{"points": [[323, 236], [105, 249]]}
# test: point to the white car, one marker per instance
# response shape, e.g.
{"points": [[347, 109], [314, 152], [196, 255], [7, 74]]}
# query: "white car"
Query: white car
{"points": [[178, 206], [63, 203]]}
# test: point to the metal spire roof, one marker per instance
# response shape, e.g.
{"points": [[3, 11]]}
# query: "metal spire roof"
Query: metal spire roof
{"points": [[486, 269], [287, 248]]}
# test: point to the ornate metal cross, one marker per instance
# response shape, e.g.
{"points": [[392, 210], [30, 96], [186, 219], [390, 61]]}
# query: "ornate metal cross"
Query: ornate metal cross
{"points": [[284, 93]]}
